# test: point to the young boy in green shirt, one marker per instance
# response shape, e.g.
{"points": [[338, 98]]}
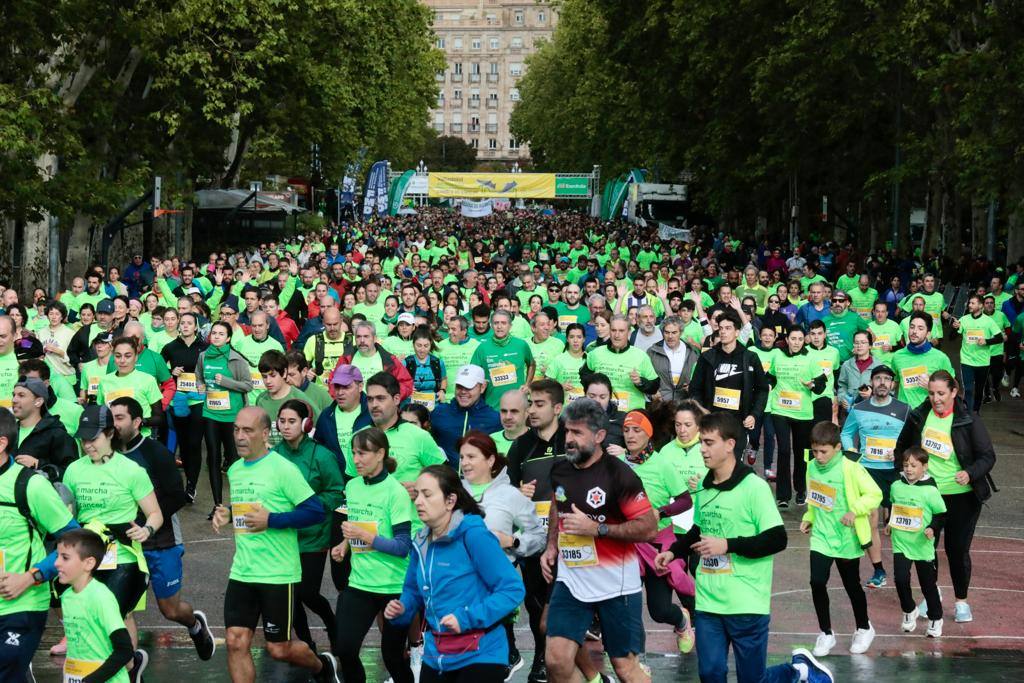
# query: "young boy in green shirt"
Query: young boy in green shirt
{"points": [[840, 497], [918, 513], [99, 646]]}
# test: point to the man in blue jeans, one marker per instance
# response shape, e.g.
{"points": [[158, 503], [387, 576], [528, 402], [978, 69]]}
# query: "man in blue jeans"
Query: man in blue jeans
{"points": [[736, 531]]}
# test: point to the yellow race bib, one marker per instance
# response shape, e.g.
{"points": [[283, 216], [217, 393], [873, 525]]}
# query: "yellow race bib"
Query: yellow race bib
{"points": [[187, 383], [716, 564], [218, 400], [577, 551], [503, 375], [358, 546], [238, 513], [938, 444], [820, 495], [789, 400], [915, 377], [906, 518], [423, 398], [543, 510], [729, 399], [77, 669], [257, 381], [974, 336], [109, 557], [877, 449]]}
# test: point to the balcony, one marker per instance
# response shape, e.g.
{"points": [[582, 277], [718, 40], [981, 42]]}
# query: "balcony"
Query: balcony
{"points": [[491, 128], [474, 78], [474, 104], [439, 77], [474, 128], [492, 78], [456, 78], [439, 127], [492, 104], [455, 128]]}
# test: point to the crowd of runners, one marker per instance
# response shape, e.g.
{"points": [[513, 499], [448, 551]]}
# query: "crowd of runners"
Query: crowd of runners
{"points": [[460, 418]]}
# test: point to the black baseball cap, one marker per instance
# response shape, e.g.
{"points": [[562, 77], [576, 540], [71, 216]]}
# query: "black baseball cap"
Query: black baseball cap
{"points": [[882, 369], [93, 421]]}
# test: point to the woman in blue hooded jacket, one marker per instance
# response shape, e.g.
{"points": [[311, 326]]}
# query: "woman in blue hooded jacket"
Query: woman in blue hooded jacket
{"points": [[464, 610]]}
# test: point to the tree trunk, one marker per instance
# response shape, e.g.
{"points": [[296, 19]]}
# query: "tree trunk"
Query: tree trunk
{"points": [[79, 252], [1015, 233]]}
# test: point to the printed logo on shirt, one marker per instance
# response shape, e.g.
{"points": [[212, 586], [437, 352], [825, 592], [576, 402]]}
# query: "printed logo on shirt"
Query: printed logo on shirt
{"points": [[596, 497], [725, 371], [560, 495]]}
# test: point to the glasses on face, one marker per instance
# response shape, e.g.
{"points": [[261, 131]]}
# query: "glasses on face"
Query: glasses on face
{"points": [[228, 313], [838, 301]]}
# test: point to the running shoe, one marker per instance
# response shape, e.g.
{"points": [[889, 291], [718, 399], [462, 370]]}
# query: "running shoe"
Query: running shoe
{"points": [[685, 637], [539, 670], [922, 607], [816, 672], [824, 644], [751, 456], [515, 663], [329, 672], [1006, 381], [190, 493], [769, 474], [801, 500], [877, 580], [140, 660], [782, 504], [909, 621], [1014, 393], [60, 649], [203, 639], [862, 639], [934, 628], [416, 658], [963, 613]]}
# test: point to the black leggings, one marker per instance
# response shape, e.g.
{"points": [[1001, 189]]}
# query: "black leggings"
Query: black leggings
{"points": [[128, 583], [962, 512], [190, 430], [220, 452], [360, 609], [927, 575], [821, 567], [537, 593], [659, 601], [308, 595], [995, 375], [822, 410], [793, 438], [474, 673]]}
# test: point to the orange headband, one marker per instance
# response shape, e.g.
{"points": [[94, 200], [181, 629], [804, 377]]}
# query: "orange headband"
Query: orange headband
{"points": [[637, 419]]}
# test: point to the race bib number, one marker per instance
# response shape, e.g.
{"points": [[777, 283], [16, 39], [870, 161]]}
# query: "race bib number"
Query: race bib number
{"points": [[77, 669], [423, 398], [877, 449], [218, 400], [565, 320], [881, 341], [574, 393], [238, 513], [766, 365], [359, 546], [906, 518], [187, 383], [826, 366], [109, 560], [915, 377], [543, 509], [127, 392], [938, 444], [975, 336], [577, 551], [257, 381], [621, 399], [6, 403], [3, 561], [716, 564], [821, 496], [789, 400], [503, 375], [94, 386], [729, 399]]}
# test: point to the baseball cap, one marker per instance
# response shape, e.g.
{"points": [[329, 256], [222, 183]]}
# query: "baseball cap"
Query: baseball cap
{"points": [[347, 374], [36, 386], [882, 369], [104, 338], [406, 318], [105, 306], [840, 294], [469, 376], [94, 420]]}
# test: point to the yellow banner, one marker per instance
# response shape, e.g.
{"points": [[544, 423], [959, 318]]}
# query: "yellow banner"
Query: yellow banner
{"points": [[492, 185]]}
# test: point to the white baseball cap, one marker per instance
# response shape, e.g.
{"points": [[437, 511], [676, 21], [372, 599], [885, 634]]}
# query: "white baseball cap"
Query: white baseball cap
{"points": [[469, 376], [406, 318]]}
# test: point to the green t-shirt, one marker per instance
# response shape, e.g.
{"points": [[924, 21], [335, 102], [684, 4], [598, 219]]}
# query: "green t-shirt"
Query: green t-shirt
{"points": [[693, 331], [524, 297], [934, 304], [662, 482], [375, 315], [839, 329], [943, 464], [828, 361], [148, 362], [503, 444], [333, 350], [826, 501], [861, 303], [377, 507], [913, 507], [568, 316], [136, 384], [346, 422], [413, 448], [92, 372], [251, 350], [1003, 323], [806, 282], [846, 283], [158, 340], [68, 412], [90, 617], [687, 460], [758, 292], [913, 370], [9, 370], [789, 397], [731, 583], [618, 366], [271, 555], [109, 493], [51, 515], [974, 331], [273, 407], [505, 364], [320, 470], [222, 404], [544, 352], [454, 357], [889, 333], [565, 369], [368, 365], [318, 397], [397, 346]]}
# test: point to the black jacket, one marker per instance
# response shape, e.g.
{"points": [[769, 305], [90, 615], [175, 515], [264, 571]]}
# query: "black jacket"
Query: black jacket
{"points": [[753, 396], [530, 459], [159, 464], [51, 444], [971, 442]]}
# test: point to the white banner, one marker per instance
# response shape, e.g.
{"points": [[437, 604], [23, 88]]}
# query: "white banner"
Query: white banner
{"points": [[472, 209]]}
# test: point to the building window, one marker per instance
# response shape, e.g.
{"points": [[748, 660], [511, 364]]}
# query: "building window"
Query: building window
{"points": [[493, 96], [495, 44], [457, 94], [475, 45], [493, 68], [516, 43], [474, 143], [514, 69], [513, 144], [541, 17], [456, 43], [457, 68], [492, 143], [518, 17], [474, 68], [492, 19], [513, 94], [440, 43], [455, 16]]}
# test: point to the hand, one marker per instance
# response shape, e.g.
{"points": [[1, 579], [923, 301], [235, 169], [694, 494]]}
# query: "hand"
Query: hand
{"points": [[662, 560], [709, 545], [528, 489], [338, 552], [218, 277], [177, 371], [805, 527], [887, 530], [352, 531], [956, 323], [962, 478], [694, 482], [577, 522], [982, 342], [809, 383], [844, 403], [293, 267], [394, 609], [634, 376], [310, 375], [547, 563], [221, 517], [257, 519], [27, 461], [410, 488], [614, 450], [929, 533], [505, 540], [137, 533], [887, 347], [864, 393], [440, 396], [218, 377], [748, 422], [847, 519], [451, 623], [13, 585]]}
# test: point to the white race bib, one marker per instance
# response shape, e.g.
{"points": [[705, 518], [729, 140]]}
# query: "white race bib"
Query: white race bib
{"points": [[577, 551], [906, 518], [716, 564]]}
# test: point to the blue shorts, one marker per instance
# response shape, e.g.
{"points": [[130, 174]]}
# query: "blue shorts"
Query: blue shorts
{"points": [[165, 571], [20, 634], [622, 626]]}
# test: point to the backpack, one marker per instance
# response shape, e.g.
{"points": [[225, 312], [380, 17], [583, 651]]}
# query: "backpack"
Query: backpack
{"points": [[435, 369], [21, 503], [319, 346]]}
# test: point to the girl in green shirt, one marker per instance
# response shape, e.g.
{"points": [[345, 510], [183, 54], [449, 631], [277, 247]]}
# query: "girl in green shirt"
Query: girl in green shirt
{"points": [[565, 367]]}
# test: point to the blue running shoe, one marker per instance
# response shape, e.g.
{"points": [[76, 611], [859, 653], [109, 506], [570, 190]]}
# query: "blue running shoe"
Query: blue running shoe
{"points": [[816, 671]]}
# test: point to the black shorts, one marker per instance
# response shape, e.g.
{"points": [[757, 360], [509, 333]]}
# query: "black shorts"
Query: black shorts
{"points": [[245, 603], [127, 582], [884, 479]]}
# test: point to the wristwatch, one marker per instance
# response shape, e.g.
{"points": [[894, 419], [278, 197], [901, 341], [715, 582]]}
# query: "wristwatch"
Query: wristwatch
{"points": [[151, 530], [602, 530], [515, 542], [38, 578]]}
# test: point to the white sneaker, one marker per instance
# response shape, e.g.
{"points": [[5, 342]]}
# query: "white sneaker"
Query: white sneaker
{"points": [[824, 644], [862, 640], [1006, 381], [1015, 393], [934, 628], [909, 621], [922, 607]]}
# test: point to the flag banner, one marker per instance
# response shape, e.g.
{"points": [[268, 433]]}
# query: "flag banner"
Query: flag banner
{"points": [[397, 192], [471, 209], [487, 185], [375, 194]]}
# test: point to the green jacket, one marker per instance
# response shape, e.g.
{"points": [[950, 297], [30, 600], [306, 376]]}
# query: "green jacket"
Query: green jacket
{"points": [[862, 496], [320, 469]]}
